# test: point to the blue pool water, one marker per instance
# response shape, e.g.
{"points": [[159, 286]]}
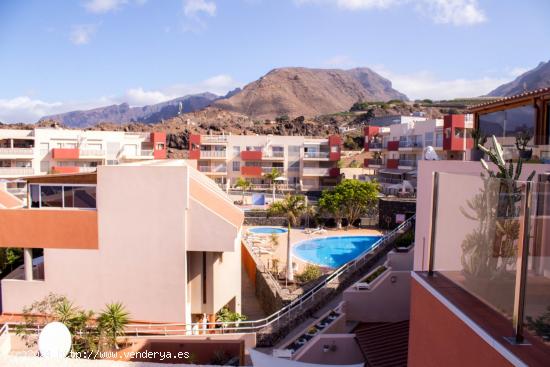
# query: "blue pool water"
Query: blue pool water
{"points": [[268, 230], [333, 252]]}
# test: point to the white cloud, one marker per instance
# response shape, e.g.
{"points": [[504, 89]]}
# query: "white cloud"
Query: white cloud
{"points": [[103, 6], [425, 84], [82, 33], [27, 109], [192, 8], [517, 71], [454, 12]]}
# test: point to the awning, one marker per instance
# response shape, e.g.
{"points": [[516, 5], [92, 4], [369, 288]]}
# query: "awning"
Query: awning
{"points": [[393, 171]]}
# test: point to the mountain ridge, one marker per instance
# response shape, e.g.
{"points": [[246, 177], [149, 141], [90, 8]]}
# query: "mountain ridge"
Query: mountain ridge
{"points": [[536, 78]]}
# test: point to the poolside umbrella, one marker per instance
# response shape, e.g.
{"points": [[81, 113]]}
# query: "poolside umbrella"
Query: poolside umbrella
{"points": [[277, 180]]}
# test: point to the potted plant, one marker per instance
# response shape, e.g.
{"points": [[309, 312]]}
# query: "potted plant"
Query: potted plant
{"points": [[479, 140], [312, 331], [522, 139]]}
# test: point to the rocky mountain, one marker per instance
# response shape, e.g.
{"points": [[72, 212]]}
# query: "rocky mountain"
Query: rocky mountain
{"points": [[536, 78], [123, 113], [308, 92]]}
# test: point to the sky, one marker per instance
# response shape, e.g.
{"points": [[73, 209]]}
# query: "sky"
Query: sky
{"points": [[63, 55]]}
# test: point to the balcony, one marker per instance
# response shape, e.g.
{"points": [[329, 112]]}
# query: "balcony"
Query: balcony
{"points": [[273, 155], [16, 171], [490, 240], [213, 169], [375, 146], [213, 154], [410, 145], [387, 180], [407, 163], [316, 155], [392, 163], [73, 169], [65, 153], [374, 163], [16, 152], [315, 171], [251, 155], [213, 139], [143, 154], [251, 171], [92, 153], [393, 145]]}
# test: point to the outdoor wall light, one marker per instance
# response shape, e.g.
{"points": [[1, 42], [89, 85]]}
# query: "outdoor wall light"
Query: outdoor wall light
{"points": [[329, 348], [393, 279]]}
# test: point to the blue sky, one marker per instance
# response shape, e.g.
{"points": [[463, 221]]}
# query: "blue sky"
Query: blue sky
{"points": [[57, 56]]}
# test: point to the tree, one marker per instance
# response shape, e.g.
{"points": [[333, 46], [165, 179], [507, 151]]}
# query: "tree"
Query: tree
{"points": [[355, 198], [112, 321], [9, 257], [272, 176], [331, 202], [292, 207], [244, 185]]}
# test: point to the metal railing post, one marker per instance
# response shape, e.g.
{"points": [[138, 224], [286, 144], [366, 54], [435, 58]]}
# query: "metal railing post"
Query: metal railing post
{"points": [[435, 198], [521, 268]]}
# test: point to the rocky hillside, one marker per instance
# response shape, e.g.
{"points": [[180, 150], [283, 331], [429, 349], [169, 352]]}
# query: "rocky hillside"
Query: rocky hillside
{"points": [[536, 78], [308, 92], [123, 113]]}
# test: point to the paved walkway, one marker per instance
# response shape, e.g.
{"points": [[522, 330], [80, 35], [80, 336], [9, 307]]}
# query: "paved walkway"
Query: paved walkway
{"points": [[250, 306]]}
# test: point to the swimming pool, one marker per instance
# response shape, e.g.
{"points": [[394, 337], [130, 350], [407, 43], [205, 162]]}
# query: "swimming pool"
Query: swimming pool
{"points": [[268, 230], [333, 252]]}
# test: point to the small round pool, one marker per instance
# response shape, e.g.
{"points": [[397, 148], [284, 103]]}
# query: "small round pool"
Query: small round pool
{"points": [[333, 252], [268, 230]]}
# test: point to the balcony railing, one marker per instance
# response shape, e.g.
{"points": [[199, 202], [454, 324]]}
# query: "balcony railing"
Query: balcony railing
{"points": [[375, 145], [273, 154], [213, 139], [92, 153], [316, 155], [410, 144], [387, 180], [213, 169], [316, 171], [408, 162], [213, 153], [375, 162], [489, 237], [15, 171], [17, 151]]}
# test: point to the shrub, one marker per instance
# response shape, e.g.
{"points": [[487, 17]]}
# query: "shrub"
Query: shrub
{"points": [[405, 240], [375, 274], [311, 272]]}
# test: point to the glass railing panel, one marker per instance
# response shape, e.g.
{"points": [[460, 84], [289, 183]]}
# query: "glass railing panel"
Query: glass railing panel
{"points": [[478, 226], [537, 290]]}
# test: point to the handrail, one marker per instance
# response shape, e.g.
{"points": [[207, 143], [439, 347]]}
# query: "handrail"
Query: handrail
{"points": [[257, 325]]}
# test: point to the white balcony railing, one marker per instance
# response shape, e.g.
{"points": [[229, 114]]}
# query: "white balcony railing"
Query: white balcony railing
{"points": [[316, 171], [92, 153], [17, 151], [213, 139], [213, 169], [316, 154], [213, 154], [407, 162], [87, 169], [273, 154], [16, 171]]}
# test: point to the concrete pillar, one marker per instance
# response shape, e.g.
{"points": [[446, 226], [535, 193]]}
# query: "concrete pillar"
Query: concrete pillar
{"points": [[27, 257]]}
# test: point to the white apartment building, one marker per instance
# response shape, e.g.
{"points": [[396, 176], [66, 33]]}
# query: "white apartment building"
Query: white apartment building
{"points": [[305, 163], [53, 150], [396, 149]]}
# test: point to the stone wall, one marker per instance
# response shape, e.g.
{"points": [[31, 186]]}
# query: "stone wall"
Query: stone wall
{"points": [[389, 207], [260, 218]]}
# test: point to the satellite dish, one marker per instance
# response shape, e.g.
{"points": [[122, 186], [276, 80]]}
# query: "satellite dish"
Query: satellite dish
{"points": [[54, 341], [430, 154]]}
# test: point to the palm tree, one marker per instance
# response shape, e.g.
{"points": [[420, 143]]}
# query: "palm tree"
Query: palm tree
{"points": [[292, 207], [244, 185], [272, 176], [112, 321]]}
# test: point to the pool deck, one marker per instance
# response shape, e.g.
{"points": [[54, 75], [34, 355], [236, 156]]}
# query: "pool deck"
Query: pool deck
{"points": [[298, 235]]}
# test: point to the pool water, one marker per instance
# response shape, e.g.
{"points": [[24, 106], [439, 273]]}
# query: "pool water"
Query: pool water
{"points": [[333, 252], [268, 230]]}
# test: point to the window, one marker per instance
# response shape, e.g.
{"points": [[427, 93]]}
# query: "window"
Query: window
{"points": [[429, 138], [160, 146], [294, 166], [236, 166], [508, 123], [130, 150], [62, 196], [294, 150]]}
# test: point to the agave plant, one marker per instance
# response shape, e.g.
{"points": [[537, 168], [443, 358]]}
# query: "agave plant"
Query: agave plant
{"points": [[112, 322], [496, 155]]}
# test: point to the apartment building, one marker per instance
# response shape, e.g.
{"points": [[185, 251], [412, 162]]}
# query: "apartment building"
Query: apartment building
{"points": [[397, 148], [481, 278], [158, 236], [53, 150], [505, 118], [305, 163]]}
